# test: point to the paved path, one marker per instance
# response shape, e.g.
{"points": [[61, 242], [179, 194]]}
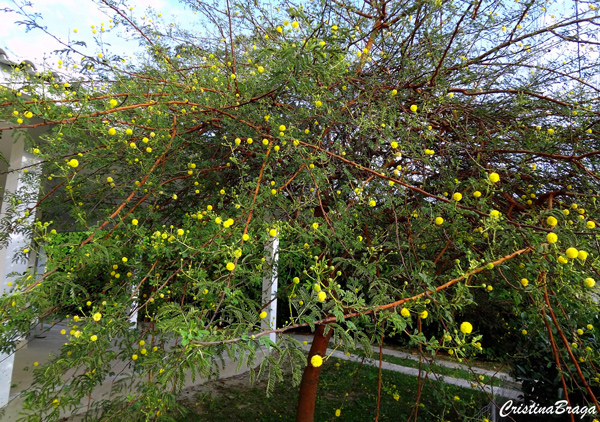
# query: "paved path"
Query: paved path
{"points": [[38, 350], [497, 391], [453, 365], [509, 393]]}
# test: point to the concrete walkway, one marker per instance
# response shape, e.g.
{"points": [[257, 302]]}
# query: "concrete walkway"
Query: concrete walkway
{"points": [[39, 349], [495, 391], [452, 365]]}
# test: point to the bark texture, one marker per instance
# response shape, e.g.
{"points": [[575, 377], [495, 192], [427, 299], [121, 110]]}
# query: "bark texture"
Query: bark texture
{"points": [[310, 377]]}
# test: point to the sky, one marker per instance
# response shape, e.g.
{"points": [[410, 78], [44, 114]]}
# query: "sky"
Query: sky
{"points": [[62, 17]]}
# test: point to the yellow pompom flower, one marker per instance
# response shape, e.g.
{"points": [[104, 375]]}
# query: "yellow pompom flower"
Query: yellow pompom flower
{"points": [[457, 196], [73, 163], [552, 238], [316, 361], [466, 327], [338, 412], [318, 103], [263, 315], [524, 282], [112, 131], [405, 312], [424, 314], [590, 224], [439, 221], [134, 222], [590, 282], [582, 255], [322, 296], [134, 357], [180, 232], [230, 266], [551, 221], [562, 260], [476, 194], [94, 337], [572, 253], [273, 232], [97, 316], [245, 237], [494, 177], [414, 108]]}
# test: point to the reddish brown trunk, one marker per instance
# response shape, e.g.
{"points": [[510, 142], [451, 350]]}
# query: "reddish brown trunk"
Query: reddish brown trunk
{"points": [[310, 378]]}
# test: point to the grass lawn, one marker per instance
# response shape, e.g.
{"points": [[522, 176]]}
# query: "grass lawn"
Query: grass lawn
{"points": [[476, 362], [443, 370], [235, 400]]}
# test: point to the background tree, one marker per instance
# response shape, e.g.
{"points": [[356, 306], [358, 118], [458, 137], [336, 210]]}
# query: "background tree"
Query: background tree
{"points": [[417, 160]]}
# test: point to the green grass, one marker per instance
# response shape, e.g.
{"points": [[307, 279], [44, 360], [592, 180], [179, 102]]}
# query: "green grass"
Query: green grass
{"points": [[479, 363], [442, 370], [241, 402]]}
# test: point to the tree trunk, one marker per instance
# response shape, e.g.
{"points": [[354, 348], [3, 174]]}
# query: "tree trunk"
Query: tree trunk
{"points": [[310, 378]]}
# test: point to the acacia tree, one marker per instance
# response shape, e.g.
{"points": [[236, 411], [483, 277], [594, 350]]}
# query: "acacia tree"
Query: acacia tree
{"points": [[413, 159]]}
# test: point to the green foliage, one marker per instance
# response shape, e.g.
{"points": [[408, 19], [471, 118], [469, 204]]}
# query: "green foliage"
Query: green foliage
{"points": [[244, 402], [407, 157]]}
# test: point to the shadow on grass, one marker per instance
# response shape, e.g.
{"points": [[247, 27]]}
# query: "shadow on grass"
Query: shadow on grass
{"points": [[235, 400]]}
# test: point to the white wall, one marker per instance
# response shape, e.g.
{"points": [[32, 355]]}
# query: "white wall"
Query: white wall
{"points": [[14, 153]]}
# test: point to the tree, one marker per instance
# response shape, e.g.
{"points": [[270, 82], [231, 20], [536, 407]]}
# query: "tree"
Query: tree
{"points": [[414, 159]]}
